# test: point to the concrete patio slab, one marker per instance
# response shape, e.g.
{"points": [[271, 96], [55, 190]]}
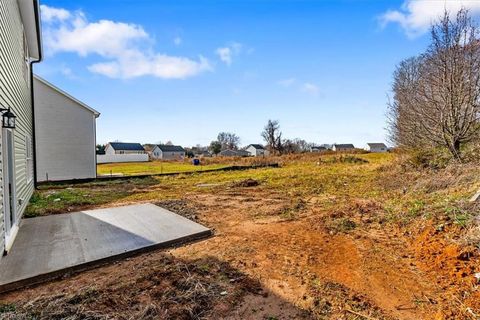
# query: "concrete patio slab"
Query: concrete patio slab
{"points": [[49, 247]]}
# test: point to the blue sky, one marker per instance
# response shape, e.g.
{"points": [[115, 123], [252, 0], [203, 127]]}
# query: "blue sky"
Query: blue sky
{"points": [[185, 70]]}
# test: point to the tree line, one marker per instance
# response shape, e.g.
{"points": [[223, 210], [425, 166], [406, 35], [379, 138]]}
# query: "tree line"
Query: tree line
{"points": [[272, 136], [436, 95]]}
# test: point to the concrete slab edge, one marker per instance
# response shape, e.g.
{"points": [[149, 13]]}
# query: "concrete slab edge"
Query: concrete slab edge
{"points": [[70, 271]]}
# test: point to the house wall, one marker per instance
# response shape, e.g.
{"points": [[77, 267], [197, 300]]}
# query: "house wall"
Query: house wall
{"points": [[157, 153], [15, 93], [377, 150], [255, 152], [65, 136], [129, 152], [109, 150], [111, 158]]}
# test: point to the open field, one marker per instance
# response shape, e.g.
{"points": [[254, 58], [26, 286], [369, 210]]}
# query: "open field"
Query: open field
{"points": [[152, 167], [367, 236]]}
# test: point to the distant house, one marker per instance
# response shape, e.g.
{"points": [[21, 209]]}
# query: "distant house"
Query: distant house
{"points": [[376, 147], [149, 149], [124, 148], [343, 147], [234, 153], [202, 153], [256, 150], [317, 149], [123, 152], [168, 152], [65, 134]]}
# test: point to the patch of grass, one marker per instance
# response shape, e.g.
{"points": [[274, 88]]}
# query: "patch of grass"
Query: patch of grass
{"points": [[71, 198], [459, 216], [153, 167], [291, 212], [344, 159], [341, 225], [415, 208], [6, 307]]}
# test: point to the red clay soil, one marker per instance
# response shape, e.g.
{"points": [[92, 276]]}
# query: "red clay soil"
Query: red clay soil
{"points": [[263, 264], [291, 257], [451, 266]]}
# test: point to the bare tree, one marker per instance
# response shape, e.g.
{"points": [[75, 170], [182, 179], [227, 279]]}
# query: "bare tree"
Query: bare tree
{"points": [[228, 140], [294, 145], [273, 136], [437, 95]]}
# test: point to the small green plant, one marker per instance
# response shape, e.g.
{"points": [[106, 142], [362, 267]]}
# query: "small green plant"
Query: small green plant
{"points": [[6, 307], [459, 216], [415, 208]]}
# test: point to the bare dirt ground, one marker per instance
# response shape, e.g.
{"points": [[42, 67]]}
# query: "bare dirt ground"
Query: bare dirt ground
{"points": [[274, 256]]}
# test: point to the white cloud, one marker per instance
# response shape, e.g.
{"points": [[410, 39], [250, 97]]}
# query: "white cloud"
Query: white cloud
{"points": [[305, 87], [227, 53], [310, 88], [50, 14], [416, 16], [159, 65], [125, 48], [177, 41], [287, 82]]}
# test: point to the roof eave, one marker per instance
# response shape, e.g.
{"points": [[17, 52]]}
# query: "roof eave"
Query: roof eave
{"points": [[30, 14]]}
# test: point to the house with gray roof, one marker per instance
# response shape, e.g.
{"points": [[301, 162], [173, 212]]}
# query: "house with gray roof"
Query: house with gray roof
{"points": [[168, 152], [317, 148], [376, 147], [343, 147], [123, 152], [234, 153], [124, 148]]}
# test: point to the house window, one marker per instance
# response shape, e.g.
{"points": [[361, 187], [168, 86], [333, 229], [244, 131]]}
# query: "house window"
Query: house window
{"points": [[29, 158]]}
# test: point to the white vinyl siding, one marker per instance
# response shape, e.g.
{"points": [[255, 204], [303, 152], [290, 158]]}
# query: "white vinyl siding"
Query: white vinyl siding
{"points": [[65, 136], [15, 93], [29, 158]]}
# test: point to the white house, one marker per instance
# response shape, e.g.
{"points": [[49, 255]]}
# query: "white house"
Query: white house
{"points": [[343, 147], [65, 134], [168, 152], [123, 152], [376, 147], [256, 150], [20, 47]]}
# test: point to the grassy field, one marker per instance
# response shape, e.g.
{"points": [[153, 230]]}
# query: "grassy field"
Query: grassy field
{"points": [[364, 236], [152, 167]]}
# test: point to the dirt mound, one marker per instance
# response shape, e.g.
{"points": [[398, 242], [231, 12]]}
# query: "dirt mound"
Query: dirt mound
{"points": [[454, 266], [336, 301], [180, 207], [246, 183]]}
